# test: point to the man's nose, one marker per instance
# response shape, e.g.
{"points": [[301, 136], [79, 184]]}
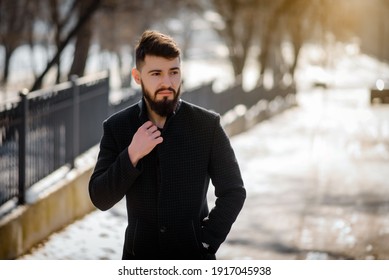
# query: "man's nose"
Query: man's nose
{"points": [[166, 80]]}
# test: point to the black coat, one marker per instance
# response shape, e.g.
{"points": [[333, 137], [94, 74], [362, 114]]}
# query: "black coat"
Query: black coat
{"points": [[168, 216]]}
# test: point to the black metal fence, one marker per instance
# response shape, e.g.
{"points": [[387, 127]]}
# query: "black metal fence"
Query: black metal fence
{"points": [[48, 129], [226, 100]]}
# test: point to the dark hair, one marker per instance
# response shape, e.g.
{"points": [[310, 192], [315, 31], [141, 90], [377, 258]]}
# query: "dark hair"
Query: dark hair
{"points": [[157, 44]]}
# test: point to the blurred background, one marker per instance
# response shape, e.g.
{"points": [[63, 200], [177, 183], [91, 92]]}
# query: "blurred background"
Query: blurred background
{"points": [[313, 147], [46, 41]]}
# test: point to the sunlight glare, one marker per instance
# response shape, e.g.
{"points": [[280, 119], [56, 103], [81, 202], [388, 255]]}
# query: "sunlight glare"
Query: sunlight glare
{"points": [[380, 84]]}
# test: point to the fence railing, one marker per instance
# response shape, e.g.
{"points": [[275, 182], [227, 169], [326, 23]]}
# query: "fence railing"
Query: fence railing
{"points": [[224, 101], [47, 129]]}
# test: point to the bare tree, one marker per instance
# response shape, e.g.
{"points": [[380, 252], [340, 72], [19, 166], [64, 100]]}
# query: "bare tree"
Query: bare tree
{"points": [[239, 22], [13, 24], [269, 23], [83, 19], [262, 24], [83, 39], [60, 17], [121, 22]]}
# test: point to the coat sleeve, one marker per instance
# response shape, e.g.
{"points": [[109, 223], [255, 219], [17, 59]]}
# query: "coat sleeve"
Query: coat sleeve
{"points": [[114, 173], [229, 189]]}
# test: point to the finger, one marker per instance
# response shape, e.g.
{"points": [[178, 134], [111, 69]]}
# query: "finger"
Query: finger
{"points": [[153, 129], [158, 140], [156, 133], [147, 125]]}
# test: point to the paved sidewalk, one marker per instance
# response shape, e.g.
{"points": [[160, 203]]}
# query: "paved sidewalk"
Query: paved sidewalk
{"points": [[316, 177]]}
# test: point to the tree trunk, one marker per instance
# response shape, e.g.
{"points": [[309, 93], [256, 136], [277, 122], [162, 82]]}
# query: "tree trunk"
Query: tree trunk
{"points": [[83, 40], [266, 41], [82, 20], [297, 42], [7, 59], [81, 50]]}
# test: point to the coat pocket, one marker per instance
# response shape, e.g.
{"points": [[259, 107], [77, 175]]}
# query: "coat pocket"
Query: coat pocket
{"points": [[203, 253], [186, 242]]}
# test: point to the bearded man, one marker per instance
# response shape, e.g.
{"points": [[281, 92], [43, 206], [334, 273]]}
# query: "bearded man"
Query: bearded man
{"points": [[160, 154]]}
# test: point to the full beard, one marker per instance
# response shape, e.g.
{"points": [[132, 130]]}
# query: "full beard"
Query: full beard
{"points": [[163, 107]]}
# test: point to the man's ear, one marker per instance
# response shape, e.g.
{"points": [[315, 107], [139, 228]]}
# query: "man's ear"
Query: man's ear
{"points": [[136, 75]]}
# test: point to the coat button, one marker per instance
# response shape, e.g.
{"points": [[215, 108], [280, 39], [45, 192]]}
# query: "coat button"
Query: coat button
{"points": [[162, 229]]}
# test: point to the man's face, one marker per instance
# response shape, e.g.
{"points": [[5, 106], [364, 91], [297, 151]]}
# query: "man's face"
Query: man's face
{"points": [[160, 79]]}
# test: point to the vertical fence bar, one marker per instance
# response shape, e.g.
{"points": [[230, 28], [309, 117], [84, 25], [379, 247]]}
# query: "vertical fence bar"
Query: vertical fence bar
{"points": [[23, 146], [76, 119]]}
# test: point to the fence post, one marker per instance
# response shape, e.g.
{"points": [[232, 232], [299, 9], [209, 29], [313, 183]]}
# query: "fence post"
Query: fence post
{"points": [[76, 119], [22, 146]]}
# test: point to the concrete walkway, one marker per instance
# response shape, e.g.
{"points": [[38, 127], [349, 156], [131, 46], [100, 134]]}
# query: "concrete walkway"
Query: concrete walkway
{"points": [[316, 177]]}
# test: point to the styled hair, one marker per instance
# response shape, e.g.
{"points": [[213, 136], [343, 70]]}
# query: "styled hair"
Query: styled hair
{"points": [[157, 44]]}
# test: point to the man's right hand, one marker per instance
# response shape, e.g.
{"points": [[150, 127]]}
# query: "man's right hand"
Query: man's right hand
{"points": [[145, 139]]}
